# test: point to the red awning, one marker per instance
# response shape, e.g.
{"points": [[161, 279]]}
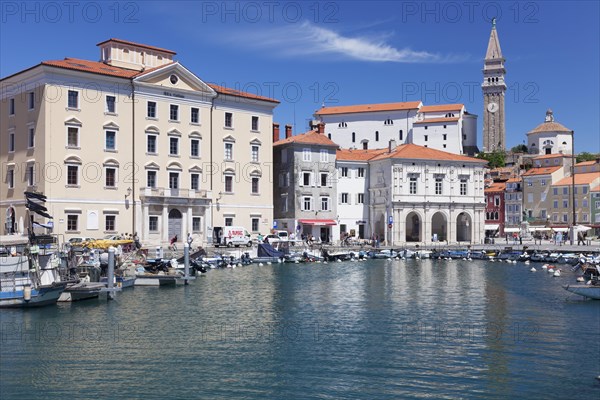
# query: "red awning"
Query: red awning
{"points": [[317, 222]]}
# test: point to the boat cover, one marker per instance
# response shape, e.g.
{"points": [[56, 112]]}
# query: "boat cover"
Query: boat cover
{"points": [[266, 250]]}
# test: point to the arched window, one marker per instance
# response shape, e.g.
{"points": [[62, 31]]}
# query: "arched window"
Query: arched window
{"points": [[353, 137], [388, 121], [376, 136], [400, 135], [329, 135]]}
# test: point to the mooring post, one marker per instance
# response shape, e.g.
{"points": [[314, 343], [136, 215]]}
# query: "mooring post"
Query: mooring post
{"points": [[111, 273], [186, 262]]}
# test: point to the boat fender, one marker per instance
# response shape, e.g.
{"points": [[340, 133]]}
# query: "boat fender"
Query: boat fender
{"points": [[27, 293]]}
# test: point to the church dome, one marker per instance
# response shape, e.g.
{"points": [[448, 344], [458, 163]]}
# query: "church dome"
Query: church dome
{"points": [[549, 125]]}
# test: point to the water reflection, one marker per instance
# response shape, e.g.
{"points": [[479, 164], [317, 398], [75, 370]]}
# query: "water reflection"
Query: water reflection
{"points": [[375, 329]]}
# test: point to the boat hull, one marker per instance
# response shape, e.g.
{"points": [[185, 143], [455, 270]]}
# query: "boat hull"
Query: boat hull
{"points": [[82, 291], [589, 291], [42, 296], [155, 280]]}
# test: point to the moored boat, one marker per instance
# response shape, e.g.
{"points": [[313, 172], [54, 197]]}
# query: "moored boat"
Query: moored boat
{"points": [[591, 291], [29, 276]]}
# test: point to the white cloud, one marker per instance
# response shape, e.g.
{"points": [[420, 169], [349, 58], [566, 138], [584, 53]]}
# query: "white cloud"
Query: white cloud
{"points": [[308, 39]]}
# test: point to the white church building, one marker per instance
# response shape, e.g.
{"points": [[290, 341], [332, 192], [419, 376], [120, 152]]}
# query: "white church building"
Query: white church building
{"points": [[446, 127]]}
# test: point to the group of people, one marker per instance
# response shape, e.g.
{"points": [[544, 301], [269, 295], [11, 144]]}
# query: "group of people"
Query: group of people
{"points": [[173, 241]]}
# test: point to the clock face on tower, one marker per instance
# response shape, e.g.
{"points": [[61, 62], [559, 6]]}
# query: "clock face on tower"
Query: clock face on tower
{"points": [[492, 107]]}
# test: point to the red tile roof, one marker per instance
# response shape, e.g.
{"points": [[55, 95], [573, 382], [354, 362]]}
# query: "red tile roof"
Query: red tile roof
{"points": [[549, 127], [595, 189], [584, 163], [414, 152], [513, 179], [137, 45], [358, 155], [239, 93], [551, 156], [310, 137], [434, 120], [496, 187], [94, 67], [441, 107], [580, 179], [542, 170], [408, 105]]}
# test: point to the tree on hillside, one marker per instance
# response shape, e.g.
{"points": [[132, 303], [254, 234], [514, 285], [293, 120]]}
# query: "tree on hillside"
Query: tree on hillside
{"points": [[519, 149], [495, 159], [585, 156]]}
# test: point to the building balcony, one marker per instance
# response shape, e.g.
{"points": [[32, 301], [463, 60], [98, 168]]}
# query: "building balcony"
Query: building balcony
{"points": [[159, 194]]}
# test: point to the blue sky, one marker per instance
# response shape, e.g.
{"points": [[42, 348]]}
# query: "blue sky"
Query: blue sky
{"points": [[307, 53]]}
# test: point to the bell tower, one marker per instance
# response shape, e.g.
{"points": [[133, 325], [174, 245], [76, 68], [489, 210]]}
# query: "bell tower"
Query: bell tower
{"points": [[493, 87]]}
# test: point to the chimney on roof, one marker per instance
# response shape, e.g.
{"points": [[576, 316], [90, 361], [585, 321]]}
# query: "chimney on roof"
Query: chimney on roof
{"points": [[392, 145], [321, 128], [288, 131], [275, 132]]}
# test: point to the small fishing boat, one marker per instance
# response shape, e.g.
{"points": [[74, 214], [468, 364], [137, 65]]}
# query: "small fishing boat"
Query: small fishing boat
{"points": [[591, 291], [82, 291], [29, 274]]}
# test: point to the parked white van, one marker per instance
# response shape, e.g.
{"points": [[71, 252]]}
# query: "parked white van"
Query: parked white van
{"points": [[231, 236]]}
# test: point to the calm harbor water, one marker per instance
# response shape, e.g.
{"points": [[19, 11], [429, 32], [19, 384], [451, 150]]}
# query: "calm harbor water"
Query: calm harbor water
{"points": [[376, 329]]}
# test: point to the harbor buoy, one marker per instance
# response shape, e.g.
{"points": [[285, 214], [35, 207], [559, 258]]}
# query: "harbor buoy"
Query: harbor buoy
{"points": [[533, 269], [545, 266], [556, 273], [324, 262], [527, 262], [260, 264], [239, 264], [469, 259], [338, 260], [269, 263], [580, 279], [296, 262], [550, 270]]}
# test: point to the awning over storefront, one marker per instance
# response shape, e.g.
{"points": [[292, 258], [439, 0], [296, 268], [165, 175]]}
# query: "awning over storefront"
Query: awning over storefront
{"points": [[317, 222], [560, 229], [491, 227], [512, 230], [538, 228]]}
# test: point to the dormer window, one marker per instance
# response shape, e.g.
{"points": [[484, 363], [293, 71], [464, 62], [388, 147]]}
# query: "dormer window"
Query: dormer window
{"points": [[342, 125], [450, 115], [388, 121]]}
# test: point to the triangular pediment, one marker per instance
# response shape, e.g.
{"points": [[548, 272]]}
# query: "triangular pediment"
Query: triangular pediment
{"points": [[183, 79], [151, 165], [195, 168], [229, 138], [73, 121], [256, 141], [110, 125]]}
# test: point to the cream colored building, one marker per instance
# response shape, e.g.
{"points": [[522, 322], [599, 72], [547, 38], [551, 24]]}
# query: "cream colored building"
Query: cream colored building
{"points": [[134, 142]]}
